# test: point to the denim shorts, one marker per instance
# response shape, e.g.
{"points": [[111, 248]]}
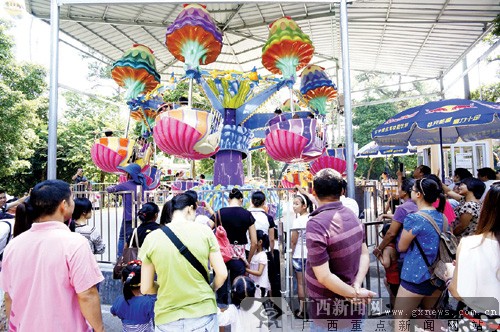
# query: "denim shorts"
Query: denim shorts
{"points": [[424, 288], [297, 264], [199, 324]]}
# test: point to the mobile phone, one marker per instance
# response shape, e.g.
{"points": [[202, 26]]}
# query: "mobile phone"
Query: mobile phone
{"points": [[401, 167], [203, 204]]}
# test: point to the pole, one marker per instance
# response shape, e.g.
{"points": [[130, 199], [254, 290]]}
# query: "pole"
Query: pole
{"points": [[128, 126], [190, 97], [466, 79], [53, 94], [441, 153], [346, 71]]}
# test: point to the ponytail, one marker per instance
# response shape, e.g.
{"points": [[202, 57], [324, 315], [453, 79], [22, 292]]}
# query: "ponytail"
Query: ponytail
{"points": [[442, 202], [131, 277], [24, 218]]}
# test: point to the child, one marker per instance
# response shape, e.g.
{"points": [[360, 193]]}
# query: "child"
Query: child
{"points": [[302, 206], [135, 310], [81, 213], [258, 266], [241, 313], [389, 260]]}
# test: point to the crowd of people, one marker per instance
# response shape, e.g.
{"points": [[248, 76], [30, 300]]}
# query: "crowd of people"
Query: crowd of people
{"points": [[468, 208], [182, 281]]}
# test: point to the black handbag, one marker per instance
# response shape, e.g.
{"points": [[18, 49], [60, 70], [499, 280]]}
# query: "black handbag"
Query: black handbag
{"points": [[129, 254]]}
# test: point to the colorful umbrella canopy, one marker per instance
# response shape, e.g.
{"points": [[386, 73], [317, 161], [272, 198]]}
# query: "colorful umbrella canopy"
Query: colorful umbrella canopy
{"points": [[373, 150], [469, 120], [287, 48]]}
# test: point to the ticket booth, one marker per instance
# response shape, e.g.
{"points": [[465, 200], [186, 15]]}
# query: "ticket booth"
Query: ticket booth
{"points": [[468, 155]]}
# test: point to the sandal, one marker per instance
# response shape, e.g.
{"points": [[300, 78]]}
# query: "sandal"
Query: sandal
{"points": [[298, 314]]}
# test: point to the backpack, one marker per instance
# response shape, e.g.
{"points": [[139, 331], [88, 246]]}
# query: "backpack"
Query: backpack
{"points": [[447, 251]]}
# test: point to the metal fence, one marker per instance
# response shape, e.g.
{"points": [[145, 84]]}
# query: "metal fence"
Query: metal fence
{"points": [[108, 212]]}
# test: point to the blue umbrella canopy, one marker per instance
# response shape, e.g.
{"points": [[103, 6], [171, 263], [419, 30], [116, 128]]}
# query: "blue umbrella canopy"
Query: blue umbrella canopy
{"points": [[373, 150], [469, 120]]}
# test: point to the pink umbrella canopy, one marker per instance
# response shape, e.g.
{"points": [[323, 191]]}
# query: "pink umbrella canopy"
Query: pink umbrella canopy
{"points": [[340, 165], [188, 133], [294, 141]]}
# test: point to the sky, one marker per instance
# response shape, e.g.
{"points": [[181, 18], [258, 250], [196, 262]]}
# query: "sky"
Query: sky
{"points": [[32, 37]]}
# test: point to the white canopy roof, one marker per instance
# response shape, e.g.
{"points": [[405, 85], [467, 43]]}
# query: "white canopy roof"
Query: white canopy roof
{"points": [[415, 38]]}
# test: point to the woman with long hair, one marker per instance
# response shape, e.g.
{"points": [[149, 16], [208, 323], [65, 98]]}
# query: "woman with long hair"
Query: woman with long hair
{"points": [[236, 220], [185, 300], [418, 231], [476, 278]]}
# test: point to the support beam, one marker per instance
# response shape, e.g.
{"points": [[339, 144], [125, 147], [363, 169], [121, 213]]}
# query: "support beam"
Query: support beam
{"points": [[466, 79], [346, 74], [475, 63], [393, 100], [53, 94]]}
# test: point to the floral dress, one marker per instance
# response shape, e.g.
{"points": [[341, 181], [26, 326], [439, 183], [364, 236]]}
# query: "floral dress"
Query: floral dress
{"points": [[473, 208]]}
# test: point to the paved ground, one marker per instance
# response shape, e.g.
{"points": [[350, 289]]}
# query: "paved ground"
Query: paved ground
{"points": [[288, 322]]}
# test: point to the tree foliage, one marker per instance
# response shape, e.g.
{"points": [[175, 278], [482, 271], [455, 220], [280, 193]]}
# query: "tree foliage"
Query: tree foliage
{"points": [[23, 109], [488, 93], [367, 118], [84, 118]]}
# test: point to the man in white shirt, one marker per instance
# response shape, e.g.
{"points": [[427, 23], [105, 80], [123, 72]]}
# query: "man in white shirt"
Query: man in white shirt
{"points": [[347, 201], [488, 176]]}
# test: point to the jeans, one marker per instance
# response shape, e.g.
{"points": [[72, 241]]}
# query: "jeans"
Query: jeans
{"points": [[235, 268], [121, 239], [206, 323]]}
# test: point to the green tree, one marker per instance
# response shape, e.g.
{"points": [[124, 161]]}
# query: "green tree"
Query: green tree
{"points": [[23, 109], [488, 93], [83, 119], [367, 118]]}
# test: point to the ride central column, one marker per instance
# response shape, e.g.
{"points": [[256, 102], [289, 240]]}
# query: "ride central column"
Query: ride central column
{"points": [[234, 147]]}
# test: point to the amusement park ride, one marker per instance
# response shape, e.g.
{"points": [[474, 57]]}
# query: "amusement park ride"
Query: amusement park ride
{"points": [[225, 132]]}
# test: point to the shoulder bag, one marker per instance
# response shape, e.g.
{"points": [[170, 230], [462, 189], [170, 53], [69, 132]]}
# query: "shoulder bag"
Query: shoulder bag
{"points": [[129, 254], [185, 252], [447, 250]]}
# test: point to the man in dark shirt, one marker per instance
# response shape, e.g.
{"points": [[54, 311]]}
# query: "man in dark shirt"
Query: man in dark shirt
{"points": [[80, 182]]}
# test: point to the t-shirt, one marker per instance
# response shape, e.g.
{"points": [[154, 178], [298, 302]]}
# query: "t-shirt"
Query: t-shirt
{"points": [[448, 210], [414, 268], [92, 235], [242, 320], [487, 187], [334, 235], [299, 225], [138, 311], [142, 231], [5, 233], [399, 216], [472, 208], [60, 266], [477, 277], [183, 291], [262, 280], [350, 203], [236, 221], [263, 222]]}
